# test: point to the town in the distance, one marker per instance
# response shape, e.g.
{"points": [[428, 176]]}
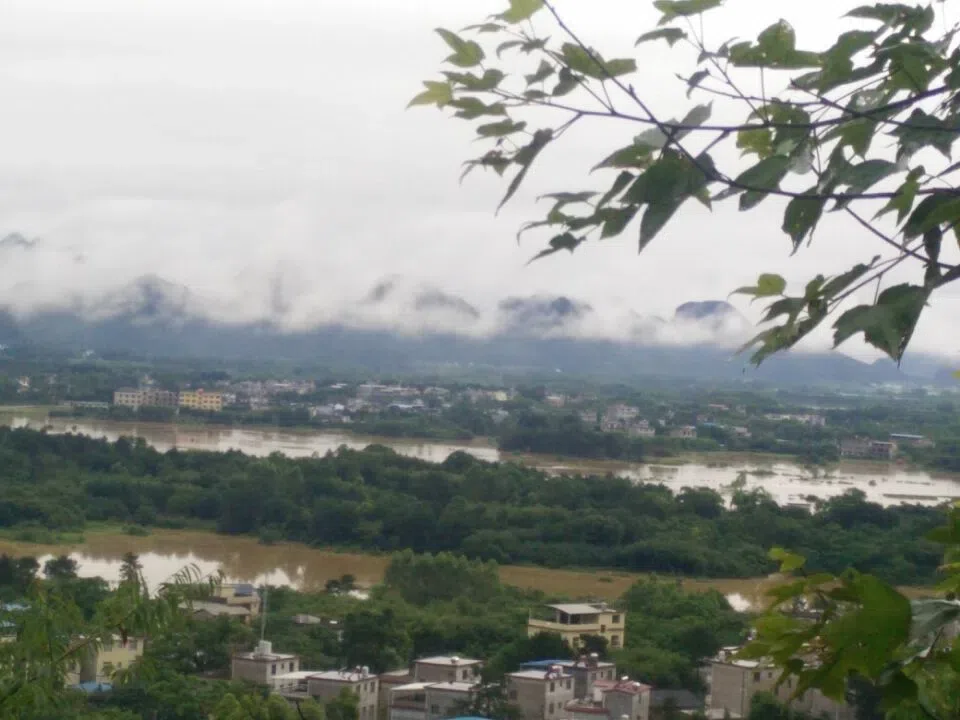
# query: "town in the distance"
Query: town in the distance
{"points": [[512, 546]]}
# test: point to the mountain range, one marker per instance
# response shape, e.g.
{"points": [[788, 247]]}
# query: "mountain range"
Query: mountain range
{"points": [[154, 317]]}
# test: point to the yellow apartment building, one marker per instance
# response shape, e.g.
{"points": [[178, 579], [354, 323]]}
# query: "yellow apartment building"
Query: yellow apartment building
{"points": [[201, 400], [573, 620], [99, 664]]}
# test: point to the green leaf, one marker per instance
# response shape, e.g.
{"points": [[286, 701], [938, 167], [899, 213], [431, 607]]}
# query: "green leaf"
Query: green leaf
{"points": [[500, 129], [623, 179], [766, 174], [862, 176], [768, 285], [842, 282], [929, 213], [524, 158], [756, 140], [902, 201], [682, 8], [921, 130], [775, 48], [567, 82], [788, 561], [693, 82], [801, 217], [590, 63], [504, 46], [671, 35], [491, 79], [543, 72], [888, 325], [653, 220], [565, 241], [635, 155], [521, 10], [466, 53], [470, 108], [619, 66], [437, 93], [617, 220]]}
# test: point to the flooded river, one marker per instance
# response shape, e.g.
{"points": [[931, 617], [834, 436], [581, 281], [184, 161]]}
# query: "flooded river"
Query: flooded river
{"points": [[786, 482], [243, 559]]}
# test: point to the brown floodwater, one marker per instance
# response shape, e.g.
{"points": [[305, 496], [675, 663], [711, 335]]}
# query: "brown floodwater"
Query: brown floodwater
{"points": [[244, 559], [788, 483]]}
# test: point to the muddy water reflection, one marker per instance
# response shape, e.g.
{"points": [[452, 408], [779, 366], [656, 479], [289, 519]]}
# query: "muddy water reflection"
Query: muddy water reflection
{"points": [[243, 559], [787, 483]]}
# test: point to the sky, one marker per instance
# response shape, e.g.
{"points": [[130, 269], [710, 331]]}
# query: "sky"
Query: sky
{"points": [[260, 153]]}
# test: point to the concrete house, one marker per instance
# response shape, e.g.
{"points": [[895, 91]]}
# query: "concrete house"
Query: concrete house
{"points": [[98, 664], [573, 620], [540, 694], [447, 668], [428, 701], [613, 700], [733, 683], [262, 664], [327, 685], [586, 670]]}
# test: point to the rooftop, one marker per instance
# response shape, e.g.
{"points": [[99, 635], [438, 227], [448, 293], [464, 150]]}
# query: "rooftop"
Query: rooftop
{"points": [[566, 664], [453, 686], [579, 608], [341, 676], [631, 687], [535, 674], [215, 608], [451, 660], [264, 657]]}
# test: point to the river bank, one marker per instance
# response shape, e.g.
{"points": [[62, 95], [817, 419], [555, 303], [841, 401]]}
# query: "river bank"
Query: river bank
{"points": [[786, 482], [244, 559]]}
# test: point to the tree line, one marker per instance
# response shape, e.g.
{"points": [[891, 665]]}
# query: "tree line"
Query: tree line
{"points": [[375, 499]]}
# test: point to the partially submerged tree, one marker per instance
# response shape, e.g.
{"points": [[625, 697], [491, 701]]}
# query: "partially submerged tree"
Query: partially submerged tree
{"points": [[862, 128]]}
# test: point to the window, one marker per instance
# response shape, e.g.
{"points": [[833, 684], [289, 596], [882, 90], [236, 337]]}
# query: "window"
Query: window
{"points": [[552, 686], [615, 641], [769, 674], [603, 628], [434, 709], [550, 711], [465, 674], [756, 677], [513, 694], [273, 669], [616, 619], [291, 667]]}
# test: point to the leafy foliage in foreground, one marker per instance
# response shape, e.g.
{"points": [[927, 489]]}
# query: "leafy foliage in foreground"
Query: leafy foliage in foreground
{"points": [[862, 129], [375, 499], [863, 630]]}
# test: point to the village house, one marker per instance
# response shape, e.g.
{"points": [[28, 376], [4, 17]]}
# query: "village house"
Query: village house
{"points": [[733, 683], [428, 701], [613, 700], [868, 449], [917, 441], [540, 694], [685, 432], [262, 665], [327, 685], [574, 620], [97, 664], [587, 670]]}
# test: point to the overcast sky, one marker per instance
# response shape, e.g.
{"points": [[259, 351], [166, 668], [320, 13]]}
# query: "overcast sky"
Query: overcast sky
{"points": [[259, 152]]}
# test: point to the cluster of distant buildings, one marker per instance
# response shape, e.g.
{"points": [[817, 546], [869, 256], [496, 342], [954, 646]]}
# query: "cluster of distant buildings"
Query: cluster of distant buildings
{"points": [[443, 687], [199, 399], [870, 449]]}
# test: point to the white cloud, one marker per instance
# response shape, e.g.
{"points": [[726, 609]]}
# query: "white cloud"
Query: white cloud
{"points": [[259, 152]]}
